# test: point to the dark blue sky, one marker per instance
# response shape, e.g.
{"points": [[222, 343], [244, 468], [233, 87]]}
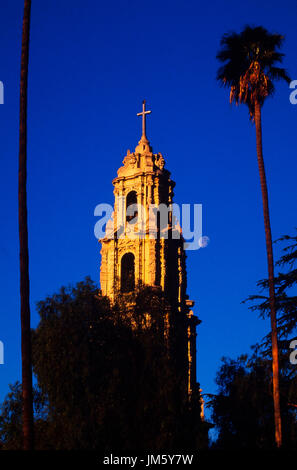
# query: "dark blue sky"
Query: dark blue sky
{"points": [[91, 65]]}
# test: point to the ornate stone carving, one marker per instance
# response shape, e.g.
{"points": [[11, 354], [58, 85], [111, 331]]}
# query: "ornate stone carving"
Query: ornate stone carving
{"points": [[159, 161], [158, 261], [130, 160]]}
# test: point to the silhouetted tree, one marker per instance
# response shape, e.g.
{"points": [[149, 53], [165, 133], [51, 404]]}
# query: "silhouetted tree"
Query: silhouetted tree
{"points": [[23, 236], [285, 282], [242, 410], [11, 434], [105, 376], [249, 69]]}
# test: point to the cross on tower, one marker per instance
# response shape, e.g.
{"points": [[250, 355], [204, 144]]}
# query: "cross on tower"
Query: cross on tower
{"points": [[143, 114]]}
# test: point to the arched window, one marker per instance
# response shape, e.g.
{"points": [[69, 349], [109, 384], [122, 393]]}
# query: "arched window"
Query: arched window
{"points": [[131, 199], [127, 272]]}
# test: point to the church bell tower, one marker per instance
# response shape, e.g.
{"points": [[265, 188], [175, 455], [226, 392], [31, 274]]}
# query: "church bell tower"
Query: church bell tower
{"points": [[139, 249]]}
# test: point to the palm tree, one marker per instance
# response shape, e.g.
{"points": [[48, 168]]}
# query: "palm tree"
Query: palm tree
{"points": [[249, 69], [23, 236]]}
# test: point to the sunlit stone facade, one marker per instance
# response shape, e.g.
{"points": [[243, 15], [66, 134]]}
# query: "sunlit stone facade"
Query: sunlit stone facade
{"points": [[137, 251]]}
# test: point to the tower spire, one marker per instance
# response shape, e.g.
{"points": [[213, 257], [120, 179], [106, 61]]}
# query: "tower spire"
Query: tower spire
{"points": [[143, 114]]}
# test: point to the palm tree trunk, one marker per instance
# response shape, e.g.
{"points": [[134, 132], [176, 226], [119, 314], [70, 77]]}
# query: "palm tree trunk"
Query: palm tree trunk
{"points": [[275, 357], [23, 236]]}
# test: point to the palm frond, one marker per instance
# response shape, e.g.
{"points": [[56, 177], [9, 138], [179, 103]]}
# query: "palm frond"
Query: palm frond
{"points": [[249, 65]]}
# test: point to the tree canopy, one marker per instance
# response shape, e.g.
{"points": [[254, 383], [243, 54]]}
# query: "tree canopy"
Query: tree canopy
{"points": [[286, 294], [251, 61], [242, 410], [100, 383]]}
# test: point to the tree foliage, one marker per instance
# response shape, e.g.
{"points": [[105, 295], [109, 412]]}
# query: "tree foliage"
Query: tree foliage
{"points": [[250, 65], [105, 376], [242, 410], [286, 297]]}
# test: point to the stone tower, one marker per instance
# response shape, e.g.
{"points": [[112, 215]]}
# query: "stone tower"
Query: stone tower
{"points": [[139, 249]]}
